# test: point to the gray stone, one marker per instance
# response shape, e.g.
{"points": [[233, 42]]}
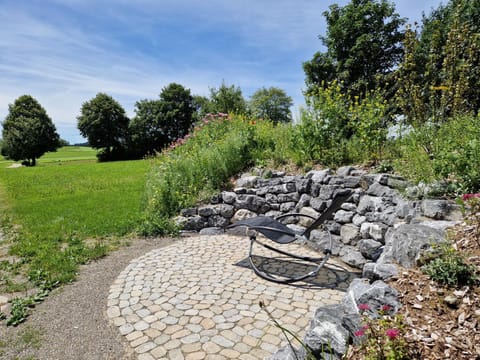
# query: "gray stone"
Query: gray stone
{"points": [[351, 181], [243, 214], [225, 210], [358, 220], [322, 240], [369, 204], [286, 353], [180, 221], [217, 221], [195, 223], [326, 192], [304, 201], [374, 271], [380, 190], [188, 212], [326, 331], [247, 181], [374, 295], [318, 176], [369, 248], [249, 202], [347, 206], [240, 190], [406, 243], [343, 217], [350, 234], [212, 231], [318, 204], [441, 225], [207, 210], [229, 197], [271, 198], [288, 206], [375, 231], [305, 221], [345, 170], [303, 185], [273, 213], [282, 198], [352, 256], [435, 209], [397, 182]]}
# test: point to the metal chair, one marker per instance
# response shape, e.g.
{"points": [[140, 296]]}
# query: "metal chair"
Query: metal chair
{"points": [[276, 231]]}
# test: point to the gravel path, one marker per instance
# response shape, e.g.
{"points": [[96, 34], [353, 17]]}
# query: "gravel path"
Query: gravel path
{"points": [[72, 322]]}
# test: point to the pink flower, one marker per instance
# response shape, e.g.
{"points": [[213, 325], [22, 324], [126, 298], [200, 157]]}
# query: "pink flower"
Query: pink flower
{"points": [[364, 327], [392, 333], [363, 307], [386, 308], [466, 197], [359, 333]]}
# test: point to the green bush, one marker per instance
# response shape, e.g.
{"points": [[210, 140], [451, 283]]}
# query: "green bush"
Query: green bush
{"points": [[450, 269], [443, 152]]}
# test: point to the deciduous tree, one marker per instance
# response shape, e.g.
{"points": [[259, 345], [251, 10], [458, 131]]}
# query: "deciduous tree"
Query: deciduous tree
{"points": [[103, 122], [364, 44], [28, 132], [272, 104]]}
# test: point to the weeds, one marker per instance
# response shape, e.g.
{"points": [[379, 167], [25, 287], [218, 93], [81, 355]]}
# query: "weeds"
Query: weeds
{"points": [[450, 269]]}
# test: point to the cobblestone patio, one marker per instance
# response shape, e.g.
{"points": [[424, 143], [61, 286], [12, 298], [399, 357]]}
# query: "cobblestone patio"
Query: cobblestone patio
{"points": [[192, 300]]}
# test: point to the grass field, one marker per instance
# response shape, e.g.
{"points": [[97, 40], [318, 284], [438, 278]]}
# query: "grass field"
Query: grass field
{"points": [[65, 211]]}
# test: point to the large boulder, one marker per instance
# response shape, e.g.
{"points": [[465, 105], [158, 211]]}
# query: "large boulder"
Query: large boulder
{"points": [[406, 243]]}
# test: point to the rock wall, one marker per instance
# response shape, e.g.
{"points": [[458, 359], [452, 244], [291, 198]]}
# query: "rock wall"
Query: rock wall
{"points": [[376, 226]]}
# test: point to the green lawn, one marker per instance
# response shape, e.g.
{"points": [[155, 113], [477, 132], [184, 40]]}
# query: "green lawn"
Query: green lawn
{"points": [[67, 208], [86, 199], [64, 154]]}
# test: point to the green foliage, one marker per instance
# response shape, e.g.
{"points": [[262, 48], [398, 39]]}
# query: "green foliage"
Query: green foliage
{"points": [[338, 127], [450, 269], [227, 100], [439, 75], [159, 122], [363, 44], [443, 152], [28, 132], [470, 205], [104, 123], [271, 104], [196, 166]]}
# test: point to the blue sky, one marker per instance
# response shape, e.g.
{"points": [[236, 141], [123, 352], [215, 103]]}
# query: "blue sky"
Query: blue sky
{"points": [[63, 52]]}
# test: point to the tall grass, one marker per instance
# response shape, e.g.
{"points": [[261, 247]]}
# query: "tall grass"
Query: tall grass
{"points": [[448, 152]]}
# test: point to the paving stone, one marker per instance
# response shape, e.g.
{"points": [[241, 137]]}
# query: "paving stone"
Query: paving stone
{"points": [[189, 301]]}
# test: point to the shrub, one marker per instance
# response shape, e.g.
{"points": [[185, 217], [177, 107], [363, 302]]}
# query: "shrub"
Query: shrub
{"points": [[449, 151], [449, 268]]}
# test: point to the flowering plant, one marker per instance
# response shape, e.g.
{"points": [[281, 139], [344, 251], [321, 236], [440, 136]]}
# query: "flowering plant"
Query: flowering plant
{"points": [[381, 338], [470, 204]]}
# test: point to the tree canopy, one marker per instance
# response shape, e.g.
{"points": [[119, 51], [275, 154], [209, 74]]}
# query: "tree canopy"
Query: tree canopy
{"points": [[440, 72], [159, 122], [272, 104], [364, 44], [227, 99], [103, 122], [28, 132]]}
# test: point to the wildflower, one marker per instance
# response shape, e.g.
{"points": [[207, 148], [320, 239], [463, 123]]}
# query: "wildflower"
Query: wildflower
{"points": [[359, 333], [466, 197], [363, 307], [386, 308], [392, 333]]}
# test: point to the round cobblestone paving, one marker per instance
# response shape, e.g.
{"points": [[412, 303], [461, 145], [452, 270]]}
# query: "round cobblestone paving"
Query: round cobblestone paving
{"points": [[195, 299]]}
